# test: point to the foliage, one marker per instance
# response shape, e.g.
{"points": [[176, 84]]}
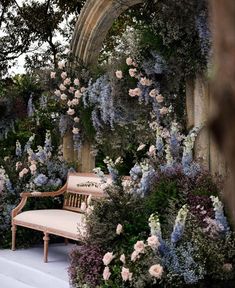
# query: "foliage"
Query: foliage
{"points": [[171, 193], [42, 169], [35, 26]]}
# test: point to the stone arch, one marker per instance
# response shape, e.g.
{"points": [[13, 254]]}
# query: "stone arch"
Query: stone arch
{"points": [[93, 24]]}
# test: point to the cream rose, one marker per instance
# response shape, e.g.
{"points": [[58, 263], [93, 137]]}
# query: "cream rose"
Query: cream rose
{"points": [[119, 229], [156, 271]]}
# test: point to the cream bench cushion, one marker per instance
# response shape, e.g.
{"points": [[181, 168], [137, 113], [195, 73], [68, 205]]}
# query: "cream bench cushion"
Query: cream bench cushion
{"points": [[54, 221]]}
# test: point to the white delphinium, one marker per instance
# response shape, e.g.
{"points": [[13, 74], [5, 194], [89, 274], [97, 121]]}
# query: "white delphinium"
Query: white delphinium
{"points": [[155, 226], [179, 224], [169, 158]]}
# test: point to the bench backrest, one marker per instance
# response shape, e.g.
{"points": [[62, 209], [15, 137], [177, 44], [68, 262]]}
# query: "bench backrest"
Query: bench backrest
{"points": [[78, 188]]}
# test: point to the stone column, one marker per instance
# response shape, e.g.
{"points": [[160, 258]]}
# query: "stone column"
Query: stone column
{"points": [[201, 112], [217, 161], [190, 103], [68, 150], [86, 161]]}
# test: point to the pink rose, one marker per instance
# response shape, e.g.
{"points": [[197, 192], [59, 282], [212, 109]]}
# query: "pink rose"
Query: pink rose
{"points": [[159, 98], [153, 93], [139, 246], [123, 258], [163, 110], [67, 81], [129, 61], [75, 101], [33, 168], [153, 241], [62, 87], [71, 89], [106, 273], [137, 91], [134, 256], [63, 97], [63, 75], [119, 229], [132, 72], [83, 89], [126, 275], [119, 74], [145, 82], [70, 112], [108, 257], [156, 271], [53, 75], [57, 93], [78, 94], [152, 150], [76, 82], [23, 172]]}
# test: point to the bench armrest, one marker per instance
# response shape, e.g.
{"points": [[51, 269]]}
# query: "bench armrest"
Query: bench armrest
{"points": [[26, 195]]}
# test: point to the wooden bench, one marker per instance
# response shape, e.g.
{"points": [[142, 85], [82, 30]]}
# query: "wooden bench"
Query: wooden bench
{"points": [[79, 188]]}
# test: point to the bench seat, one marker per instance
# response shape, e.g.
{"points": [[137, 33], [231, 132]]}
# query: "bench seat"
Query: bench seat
{"points": [[53, 221]]}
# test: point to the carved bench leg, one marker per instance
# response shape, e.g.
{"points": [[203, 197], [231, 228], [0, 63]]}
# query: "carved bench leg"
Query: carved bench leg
{"points": [[46, 242], [13, 242]]}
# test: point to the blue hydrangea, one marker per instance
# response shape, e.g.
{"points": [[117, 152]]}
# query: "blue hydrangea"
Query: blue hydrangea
{"points": [[40, 180]]}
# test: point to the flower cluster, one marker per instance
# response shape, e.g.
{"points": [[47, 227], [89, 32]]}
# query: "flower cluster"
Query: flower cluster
{"points": [[68, 94]]}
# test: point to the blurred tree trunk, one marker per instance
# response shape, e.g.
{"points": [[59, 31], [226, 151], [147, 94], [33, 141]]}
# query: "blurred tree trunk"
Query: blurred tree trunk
{"points": [[223, 88]]}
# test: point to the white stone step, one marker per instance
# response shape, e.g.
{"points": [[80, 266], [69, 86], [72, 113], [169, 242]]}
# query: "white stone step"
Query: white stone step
{"points": [[26, 266], [8, 282]]}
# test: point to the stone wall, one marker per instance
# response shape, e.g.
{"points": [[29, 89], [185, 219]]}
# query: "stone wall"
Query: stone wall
{"points": [[199, 105]]}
